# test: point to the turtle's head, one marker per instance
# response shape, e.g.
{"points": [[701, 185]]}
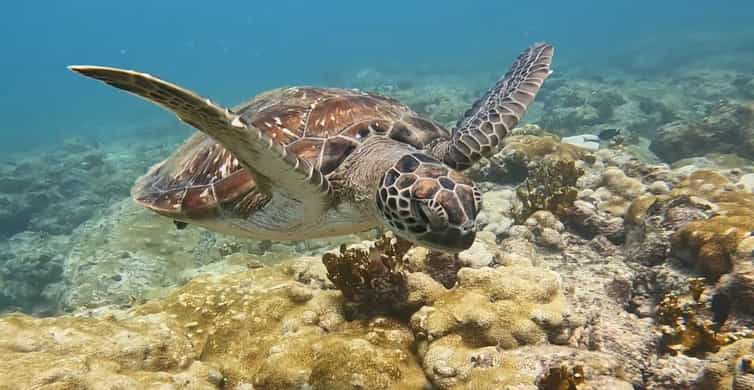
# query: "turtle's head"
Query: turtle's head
{"points": [[422, 200]]}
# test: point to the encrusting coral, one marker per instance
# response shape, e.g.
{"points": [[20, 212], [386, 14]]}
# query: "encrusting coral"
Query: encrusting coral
{"points": [[520, 150], [464, 332], [258, 329], [730, 368], [710, 243], [281, 327], [707, 240]]}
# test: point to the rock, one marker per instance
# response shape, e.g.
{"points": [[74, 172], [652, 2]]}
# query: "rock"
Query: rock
{"points": [[550, 238], [740, 283], [675, 372], [730, 368], [586, 141], [31, 268], [591, 222], [727, 128], [479, 255], [649, 232], [747, 181], [659, 187]]}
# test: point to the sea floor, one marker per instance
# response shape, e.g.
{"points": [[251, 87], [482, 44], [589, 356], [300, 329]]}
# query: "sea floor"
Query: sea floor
{"points": [[641, 280]]}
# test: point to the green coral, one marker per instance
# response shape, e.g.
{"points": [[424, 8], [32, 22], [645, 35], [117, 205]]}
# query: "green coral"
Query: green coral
{"points": [[551, 186]]}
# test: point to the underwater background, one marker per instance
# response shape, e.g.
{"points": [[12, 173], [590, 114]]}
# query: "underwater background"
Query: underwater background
{"points": [[234, 51], [615, 248]]}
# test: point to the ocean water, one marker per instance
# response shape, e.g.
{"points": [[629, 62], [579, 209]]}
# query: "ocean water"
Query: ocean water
{"points": [[639, 285], [236, 50]]}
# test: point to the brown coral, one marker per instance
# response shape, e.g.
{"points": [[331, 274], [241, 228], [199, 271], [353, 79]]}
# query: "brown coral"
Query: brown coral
{"points": [[730, 368], [550, 186], [375, 274], [685, 327], [564, 378]]}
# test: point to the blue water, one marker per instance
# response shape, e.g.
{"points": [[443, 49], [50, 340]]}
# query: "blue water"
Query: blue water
{"points": [[231, 51]]}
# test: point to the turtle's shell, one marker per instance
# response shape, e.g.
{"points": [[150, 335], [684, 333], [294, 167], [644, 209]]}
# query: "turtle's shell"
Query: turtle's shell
{"points": [[323, 126]]}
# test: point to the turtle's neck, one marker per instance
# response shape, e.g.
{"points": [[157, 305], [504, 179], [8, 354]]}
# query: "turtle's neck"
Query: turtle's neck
{"points": [[359, 177]]}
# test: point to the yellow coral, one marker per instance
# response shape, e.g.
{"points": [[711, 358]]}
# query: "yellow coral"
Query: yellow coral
{"points": [[535, 148], [712, 242], [258, 327], [488, 311]]}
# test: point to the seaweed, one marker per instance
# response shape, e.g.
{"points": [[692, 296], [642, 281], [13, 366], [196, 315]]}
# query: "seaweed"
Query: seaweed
{"points": [[375, 275], [550, 186]]}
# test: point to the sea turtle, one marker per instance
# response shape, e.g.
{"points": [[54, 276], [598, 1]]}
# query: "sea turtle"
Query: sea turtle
{"points": [[305, 162]]}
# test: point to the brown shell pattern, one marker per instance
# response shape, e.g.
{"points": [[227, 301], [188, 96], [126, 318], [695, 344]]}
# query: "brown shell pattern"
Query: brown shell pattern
{"points": [[325, 125], [320, 125]]}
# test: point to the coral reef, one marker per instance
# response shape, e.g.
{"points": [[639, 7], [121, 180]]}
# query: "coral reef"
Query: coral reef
{"points": [[588, 275], [55, 190], [550, 186], [283, 326], [728, 127], [527, 146], [464, 333], [257, 328], [710, 243], [374, 275]]}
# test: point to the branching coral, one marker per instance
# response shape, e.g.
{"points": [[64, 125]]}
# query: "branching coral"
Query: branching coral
{"points": [[563, 377], [683, 327], [550, 186], [370, 275]]}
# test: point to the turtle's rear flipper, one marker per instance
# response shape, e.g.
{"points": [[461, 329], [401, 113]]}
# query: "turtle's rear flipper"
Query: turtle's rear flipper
{"points": [[275, 169]]}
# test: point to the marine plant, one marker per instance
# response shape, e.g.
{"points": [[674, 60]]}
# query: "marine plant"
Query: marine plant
{"points": [[373, 275], [550, 186]]}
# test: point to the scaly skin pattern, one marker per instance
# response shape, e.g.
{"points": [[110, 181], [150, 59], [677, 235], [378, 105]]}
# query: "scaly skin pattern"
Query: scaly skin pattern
{"points": [[410, 192], [481, 130]]}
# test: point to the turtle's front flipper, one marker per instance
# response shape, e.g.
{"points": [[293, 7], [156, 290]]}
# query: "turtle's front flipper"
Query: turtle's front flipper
{"points": [[481, 130], [276, 170]]}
